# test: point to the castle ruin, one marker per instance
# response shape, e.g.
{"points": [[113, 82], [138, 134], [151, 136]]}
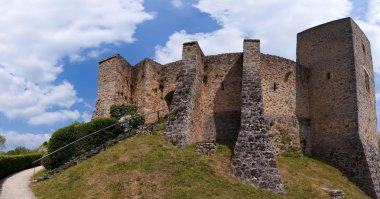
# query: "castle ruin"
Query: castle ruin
{"points": [[323, 105]]}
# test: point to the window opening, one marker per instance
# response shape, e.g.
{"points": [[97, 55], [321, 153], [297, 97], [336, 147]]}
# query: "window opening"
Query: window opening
{"points": [[363, 48], [328, 75], [366, 78]]}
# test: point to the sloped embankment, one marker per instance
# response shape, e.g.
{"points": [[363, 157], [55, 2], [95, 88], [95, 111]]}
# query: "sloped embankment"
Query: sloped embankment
{"points": [[149, 167]]}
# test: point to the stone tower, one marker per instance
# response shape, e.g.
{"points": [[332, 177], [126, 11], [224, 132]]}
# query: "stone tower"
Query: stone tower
{"points": [[341, 93], [115, 76]]}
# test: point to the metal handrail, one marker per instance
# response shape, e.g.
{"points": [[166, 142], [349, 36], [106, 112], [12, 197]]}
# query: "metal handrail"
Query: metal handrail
{"points": [[71, 143]]}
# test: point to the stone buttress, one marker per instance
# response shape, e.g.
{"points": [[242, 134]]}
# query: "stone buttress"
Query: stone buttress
{"points": [[188, 86], [253, 160]]}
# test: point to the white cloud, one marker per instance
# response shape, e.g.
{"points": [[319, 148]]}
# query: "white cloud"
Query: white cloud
{"points": [[53, 117], [276, 23], [177, 3], [28, 140], [371, 27], [86, 117], [37, 35]]}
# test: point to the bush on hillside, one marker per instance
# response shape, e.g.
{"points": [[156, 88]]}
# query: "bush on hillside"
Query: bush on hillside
{"points": [[119, 110], [134, 120], [10, 164], [74, 132]]}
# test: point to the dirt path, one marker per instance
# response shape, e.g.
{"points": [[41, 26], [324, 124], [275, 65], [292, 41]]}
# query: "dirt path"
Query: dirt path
{"points": [[16, 186]]}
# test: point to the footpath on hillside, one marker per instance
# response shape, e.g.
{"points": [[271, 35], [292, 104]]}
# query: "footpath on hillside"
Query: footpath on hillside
{"points": [[16, 186]]}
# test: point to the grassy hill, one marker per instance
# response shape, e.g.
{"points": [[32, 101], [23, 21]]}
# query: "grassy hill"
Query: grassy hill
{"points": [[150, 167]]}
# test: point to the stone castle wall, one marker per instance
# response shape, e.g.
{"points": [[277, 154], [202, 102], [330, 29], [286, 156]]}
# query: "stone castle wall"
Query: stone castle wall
{"points": [[221, 104], [323, 104], [146, 93], [278, 80]]}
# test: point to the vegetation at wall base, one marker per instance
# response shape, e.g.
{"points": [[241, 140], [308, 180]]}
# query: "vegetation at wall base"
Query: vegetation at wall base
{"points": [[73, 132], [150, 167], [10, 164]]}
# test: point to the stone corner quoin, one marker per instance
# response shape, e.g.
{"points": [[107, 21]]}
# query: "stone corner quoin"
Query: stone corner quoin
{"points": [[323, 105]]}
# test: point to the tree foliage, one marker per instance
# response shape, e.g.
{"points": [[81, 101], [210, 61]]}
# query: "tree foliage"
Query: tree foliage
{"points": [[75, 131], [2, 142], [18, 151], [119, 110]]}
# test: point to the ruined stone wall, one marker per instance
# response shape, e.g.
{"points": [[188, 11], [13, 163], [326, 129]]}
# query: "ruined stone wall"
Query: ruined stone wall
{"points": [[184, 108], [328, 52], [114, 81], [221, 102], [253, 160], [278, 81], [147, 94]]}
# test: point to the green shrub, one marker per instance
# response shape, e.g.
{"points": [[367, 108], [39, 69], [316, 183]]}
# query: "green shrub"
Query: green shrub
{"points": [[75, 131], [119, 110], [13, 163], [136, 120]]}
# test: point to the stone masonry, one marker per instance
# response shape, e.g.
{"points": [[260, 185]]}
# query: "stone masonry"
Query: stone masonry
{"points": [[253, 160], [323, 105], [185, 96], [341, 100]]}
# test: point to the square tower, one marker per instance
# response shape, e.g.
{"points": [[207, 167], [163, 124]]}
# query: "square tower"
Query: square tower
{"points": [[341, 99]]}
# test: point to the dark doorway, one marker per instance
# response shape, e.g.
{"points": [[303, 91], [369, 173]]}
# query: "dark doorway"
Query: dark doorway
{"points": [[169, 98]]}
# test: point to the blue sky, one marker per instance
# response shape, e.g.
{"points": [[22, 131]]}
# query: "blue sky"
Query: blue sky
{"points": [[49, 49]]}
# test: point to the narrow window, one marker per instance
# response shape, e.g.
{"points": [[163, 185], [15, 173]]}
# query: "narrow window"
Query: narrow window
{"points": [[366, 78], [287, 76], [222, 86], [328, 76], [363, 48], [274, 86]]}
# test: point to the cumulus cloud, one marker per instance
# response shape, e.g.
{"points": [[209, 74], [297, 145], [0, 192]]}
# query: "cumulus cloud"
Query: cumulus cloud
{"points": [[275, 23], [86, 117], [53, 117], [177, 3], [28, 140], [37, 35], [371, 26]]}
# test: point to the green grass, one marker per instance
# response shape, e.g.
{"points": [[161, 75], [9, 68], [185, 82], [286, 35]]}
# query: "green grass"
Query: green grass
{"points": [[150, 167], [39, 174]]}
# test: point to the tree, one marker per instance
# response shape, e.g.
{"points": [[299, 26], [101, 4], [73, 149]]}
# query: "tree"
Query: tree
{"points": [[18, 150], [2, 142]]}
